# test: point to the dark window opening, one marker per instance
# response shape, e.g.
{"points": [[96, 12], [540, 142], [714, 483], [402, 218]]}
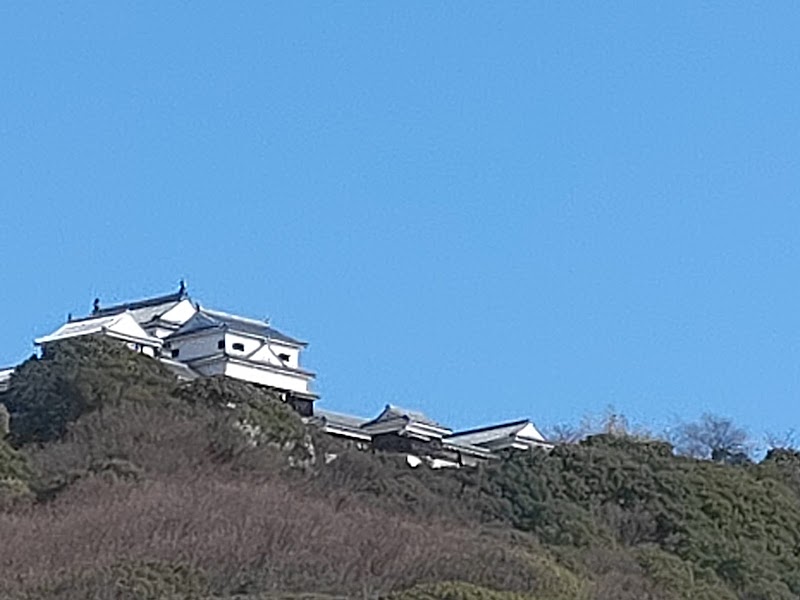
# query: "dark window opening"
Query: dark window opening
{"points": [[176, 352], [221, 344], [238, 346], [284, 357]]}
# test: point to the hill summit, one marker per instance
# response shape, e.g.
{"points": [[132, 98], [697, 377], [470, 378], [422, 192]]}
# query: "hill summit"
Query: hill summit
{"points": [[117, 480]]}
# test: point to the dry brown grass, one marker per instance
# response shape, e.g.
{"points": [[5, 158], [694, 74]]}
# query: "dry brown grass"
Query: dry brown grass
{"points": [[243, 535]]}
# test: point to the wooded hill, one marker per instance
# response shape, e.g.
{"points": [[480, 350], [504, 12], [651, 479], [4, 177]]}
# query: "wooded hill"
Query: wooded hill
{"points": [[118, 482]]}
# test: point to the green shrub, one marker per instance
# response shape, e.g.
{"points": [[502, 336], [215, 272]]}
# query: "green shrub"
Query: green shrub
{"points": [[456, 591], [249, 417], [736, 523], [15, 477], [74, 377], [148, 580]]}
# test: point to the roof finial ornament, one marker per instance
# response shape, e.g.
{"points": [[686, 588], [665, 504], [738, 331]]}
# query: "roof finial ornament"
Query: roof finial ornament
{"points": [[182, 289], [96, 305]]}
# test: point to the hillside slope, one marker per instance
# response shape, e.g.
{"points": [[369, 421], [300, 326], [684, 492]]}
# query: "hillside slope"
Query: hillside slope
{"points": [[116, 481]]}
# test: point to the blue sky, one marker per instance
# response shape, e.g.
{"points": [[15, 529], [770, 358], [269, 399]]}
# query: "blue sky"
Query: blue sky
{"points": [[480, 210]]}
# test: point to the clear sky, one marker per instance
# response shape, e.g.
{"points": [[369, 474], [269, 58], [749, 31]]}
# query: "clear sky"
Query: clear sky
{"points": [[481, 210]]}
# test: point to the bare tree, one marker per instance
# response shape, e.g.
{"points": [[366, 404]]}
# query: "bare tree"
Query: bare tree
{"points": [[611, 422], [788, 440], [712, 438], [564, 433]]}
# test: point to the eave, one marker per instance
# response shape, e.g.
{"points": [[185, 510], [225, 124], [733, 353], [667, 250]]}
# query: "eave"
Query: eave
{"points": [[224, 357], [406, 427], [149, 341], [346, 432]]}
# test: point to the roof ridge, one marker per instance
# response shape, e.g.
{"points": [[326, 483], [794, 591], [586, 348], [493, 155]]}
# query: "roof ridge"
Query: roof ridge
{"points": [[495, 426], [224, 315], [321, 412], [399, 412], [202, 314], [143, 303], [239, 323], [96, 316], [397, 407]]}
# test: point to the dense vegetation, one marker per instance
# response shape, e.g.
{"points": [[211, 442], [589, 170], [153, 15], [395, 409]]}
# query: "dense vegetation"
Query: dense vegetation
{"points": [[116, 481]]}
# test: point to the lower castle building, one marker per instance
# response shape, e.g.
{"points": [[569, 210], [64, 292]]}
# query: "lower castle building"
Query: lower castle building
{"points": [[412, 433]]}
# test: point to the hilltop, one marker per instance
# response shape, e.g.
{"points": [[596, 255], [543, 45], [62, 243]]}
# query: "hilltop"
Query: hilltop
{"points": [[119, 481]]}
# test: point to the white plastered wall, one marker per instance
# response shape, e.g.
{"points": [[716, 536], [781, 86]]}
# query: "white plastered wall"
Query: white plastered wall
{"points": [[160, 332], [259, 350], [146, 350], [271, 351], [254, 374], [250, 345], [529, 432], [127, 325], [180, 313]]}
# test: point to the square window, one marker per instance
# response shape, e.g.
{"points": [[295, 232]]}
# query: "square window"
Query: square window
{"points": [[176, 352], [221, 345], [238, 346]]}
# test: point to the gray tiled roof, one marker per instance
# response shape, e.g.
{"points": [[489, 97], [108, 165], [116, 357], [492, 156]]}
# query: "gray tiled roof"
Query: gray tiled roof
{"points": [[148, 314], [198, 322], [467, 448], [207, 319], [146, 309], [340, 424], [483, 435], [392, 412], [91, 326], [85, 326], [340, 419]]}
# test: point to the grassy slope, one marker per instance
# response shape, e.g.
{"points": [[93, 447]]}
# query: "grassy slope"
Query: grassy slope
{"points": [[126, 485]]}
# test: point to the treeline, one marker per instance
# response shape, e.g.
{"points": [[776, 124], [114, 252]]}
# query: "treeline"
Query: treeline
{"points": [[116, 481], [711, 437]]}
